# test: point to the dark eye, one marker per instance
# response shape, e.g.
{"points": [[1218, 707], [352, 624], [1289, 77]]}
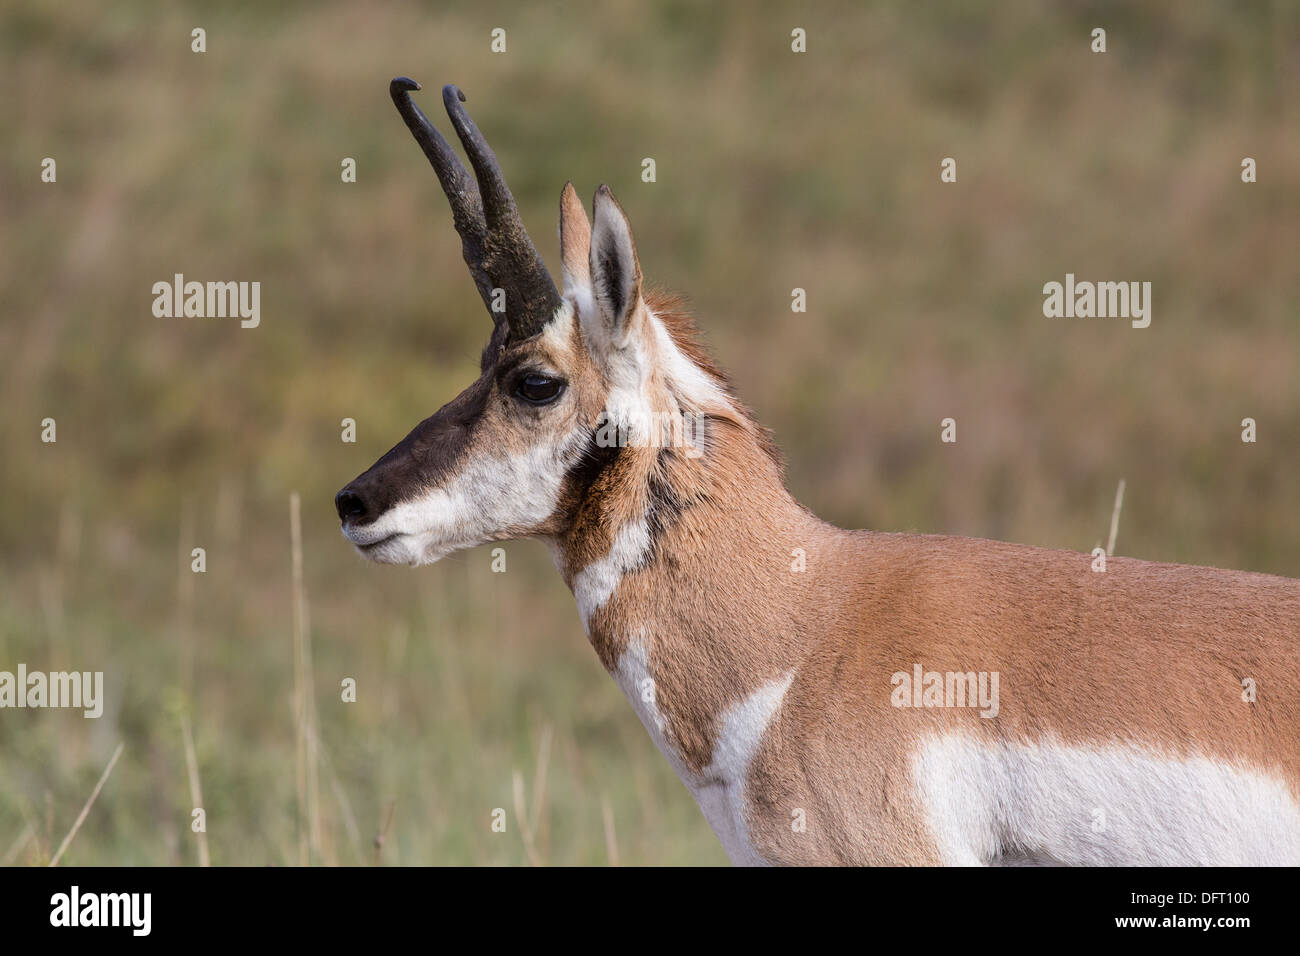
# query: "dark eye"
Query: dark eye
{"points": [[539, 389]]}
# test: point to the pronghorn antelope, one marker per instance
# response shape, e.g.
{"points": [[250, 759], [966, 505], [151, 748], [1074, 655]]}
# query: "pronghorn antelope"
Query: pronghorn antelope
{"points": [[829, 696]]}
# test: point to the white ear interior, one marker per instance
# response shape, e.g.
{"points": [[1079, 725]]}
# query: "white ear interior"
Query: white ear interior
{"points": [[615, 273]]}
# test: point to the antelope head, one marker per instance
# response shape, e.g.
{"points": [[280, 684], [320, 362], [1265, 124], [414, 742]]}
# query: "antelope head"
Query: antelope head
{"points": [[513, 455]]}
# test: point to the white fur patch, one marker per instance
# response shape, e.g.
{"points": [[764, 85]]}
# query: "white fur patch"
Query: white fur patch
{"points": [[694, 388], [743, 727], [595, 584], [628, 366], [1100, 806], [720, 789], [627, 404], [556, 334], [631, 675]]}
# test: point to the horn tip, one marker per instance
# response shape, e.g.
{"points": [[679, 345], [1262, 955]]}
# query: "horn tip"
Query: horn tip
{"points": [[452, 90], [403, 84]]}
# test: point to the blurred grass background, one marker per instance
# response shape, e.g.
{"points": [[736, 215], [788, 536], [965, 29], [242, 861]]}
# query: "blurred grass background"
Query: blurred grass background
{"points": [[775, 171]]}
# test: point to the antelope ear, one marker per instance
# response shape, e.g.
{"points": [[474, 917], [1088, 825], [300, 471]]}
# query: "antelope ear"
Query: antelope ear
{"points": [[575, 241], [615, 271]]}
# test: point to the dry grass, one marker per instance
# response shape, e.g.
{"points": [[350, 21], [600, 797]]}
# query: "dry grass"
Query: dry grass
{"points": [[90, 802]]}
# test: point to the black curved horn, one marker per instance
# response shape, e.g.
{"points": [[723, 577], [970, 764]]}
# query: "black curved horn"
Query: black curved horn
{"points": [[496, 247]]}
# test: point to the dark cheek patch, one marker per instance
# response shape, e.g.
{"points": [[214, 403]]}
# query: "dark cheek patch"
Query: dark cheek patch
{"points": [[434, 449]]}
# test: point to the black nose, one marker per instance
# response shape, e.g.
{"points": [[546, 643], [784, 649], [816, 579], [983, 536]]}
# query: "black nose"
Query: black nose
{"points": [[349, 504]]}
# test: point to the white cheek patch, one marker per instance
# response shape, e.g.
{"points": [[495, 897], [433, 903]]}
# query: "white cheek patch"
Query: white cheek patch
{"points": [[489, 496], [1100, 806]]}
